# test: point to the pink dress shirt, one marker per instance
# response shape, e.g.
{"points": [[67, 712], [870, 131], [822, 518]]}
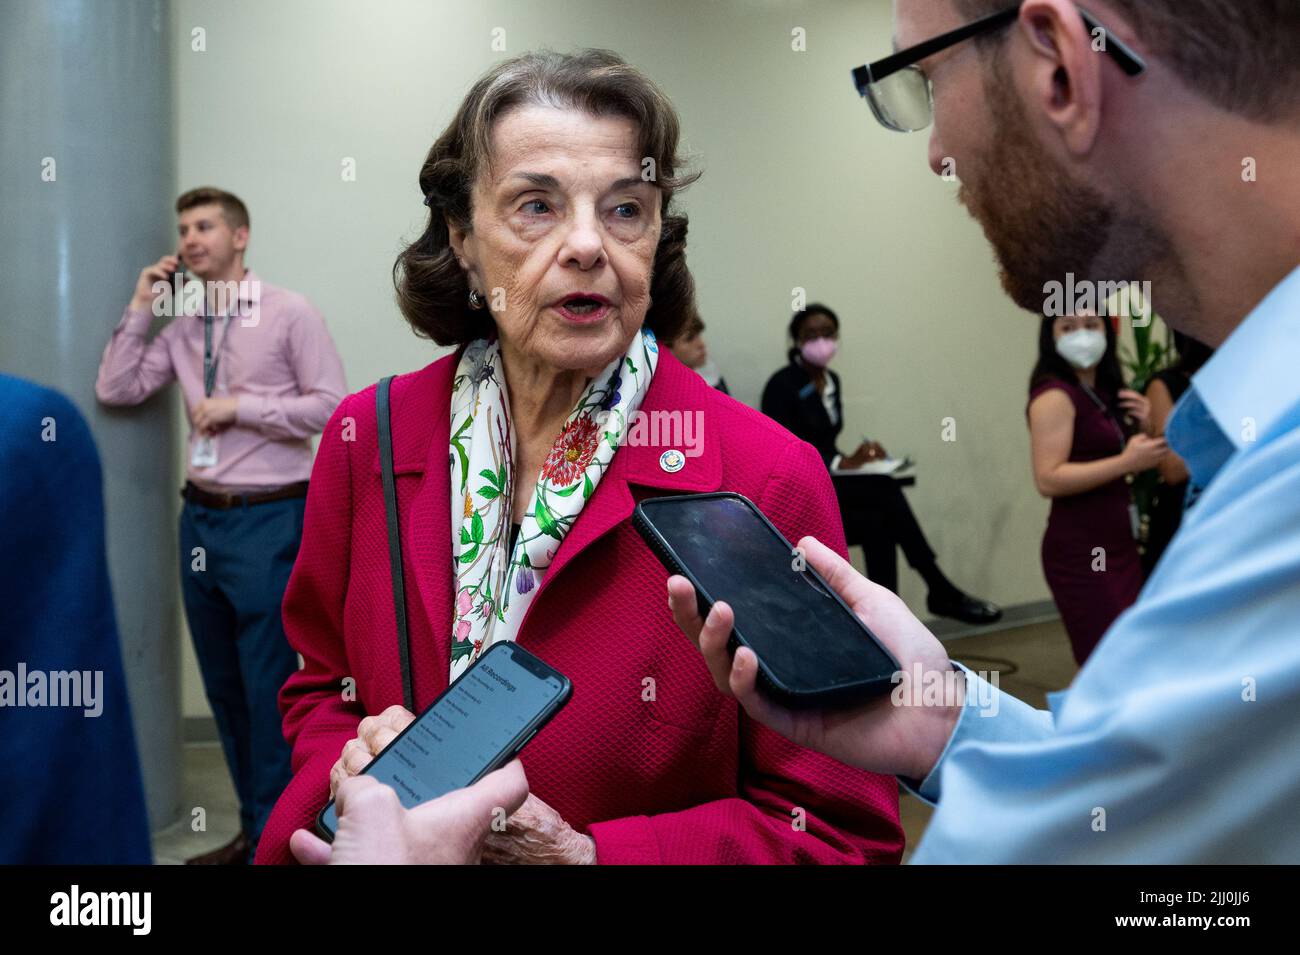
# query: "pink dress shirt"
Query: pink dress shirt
{"points": [[277, 359]]}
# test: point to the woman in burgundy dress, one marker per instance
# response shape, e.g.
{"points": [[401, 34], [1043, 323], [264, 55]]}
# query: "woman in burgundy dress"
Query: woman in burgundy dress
{"points": [[1081, 427]]}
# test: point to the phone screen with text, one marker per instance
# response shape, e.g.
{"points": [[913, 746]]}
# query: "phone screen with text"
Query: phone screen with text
{"points": [[488, 712]]}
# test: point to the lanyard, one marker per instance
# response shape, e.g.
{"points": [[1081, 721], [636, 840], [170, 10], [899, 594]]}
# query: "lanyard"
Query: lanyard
{"points": [[1104, 409], [210, 360]]}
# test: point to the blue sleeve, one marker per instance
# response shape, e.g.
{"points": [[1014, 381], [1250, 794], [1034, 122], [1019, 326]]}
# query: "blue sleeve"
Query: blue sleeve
{"points": [[988, 716], [1177, 741], [73, 790]]}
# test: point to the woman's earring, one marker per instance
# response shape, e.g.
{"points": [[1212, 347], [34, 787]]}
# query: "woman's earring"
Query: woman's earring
{"points": [[475, 300]]}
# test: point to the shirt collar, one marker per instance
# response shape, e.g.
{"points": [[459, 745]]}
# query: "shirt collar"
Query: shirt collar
{"points": [[1245, 387], [250, 287], [249, 292]]}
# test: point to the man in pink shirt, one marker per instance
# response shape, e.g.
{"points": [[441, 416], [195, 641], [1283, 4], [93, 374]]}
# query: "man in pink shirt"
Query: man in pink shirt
{"points": [[260, 376]]}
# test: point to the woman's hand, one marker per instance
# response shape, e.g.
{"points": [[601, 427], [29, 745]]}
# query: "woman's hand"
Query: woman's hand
{"points": [[883, 736], [1143, 452], [373, 827], [867, 452], [1137, 407], [373, 734], [536, 834]]}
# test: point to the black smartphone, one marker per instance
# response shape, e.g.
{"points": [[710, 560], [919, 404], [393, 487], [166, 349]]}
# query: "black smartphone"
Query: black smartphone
{"points": [[812, 650], [477, 725]]}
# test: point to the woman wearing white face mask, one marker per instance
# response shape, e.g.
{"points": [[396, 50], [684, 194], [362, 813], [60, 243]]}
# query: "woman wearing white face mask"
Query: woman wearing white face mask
{"points": [[1082, 424]]}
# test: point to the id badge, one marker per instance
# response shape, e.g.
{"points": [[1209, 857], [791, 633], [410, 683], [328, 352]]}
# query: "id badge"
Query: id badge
{"points": [[205, 452]]}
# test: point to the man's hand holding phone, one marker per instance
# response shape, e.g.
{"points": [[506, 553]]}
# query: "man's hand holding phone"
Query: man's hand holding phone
{"points": [[160, 271], [880, 736], [374, 828]]}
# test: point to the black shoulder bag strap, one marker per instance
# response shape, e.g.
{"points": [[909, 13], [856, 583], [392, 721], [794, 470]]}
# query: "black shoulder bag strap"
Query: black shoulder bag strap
{"points": [[394, 539]]}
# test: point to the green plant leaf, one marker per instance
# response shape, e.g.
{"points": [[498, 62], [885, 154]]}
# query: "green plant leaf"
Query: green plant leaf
{"points": [[464, 464], [545, 520], [476, 528], [587, 487], [490, 476], [488, 493], [469, 555], [566, 492], [464, 534]]}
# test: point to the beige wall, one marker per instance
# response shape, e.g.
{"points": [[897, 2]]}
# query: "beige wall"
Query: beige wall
{"points": [[801, 188]]}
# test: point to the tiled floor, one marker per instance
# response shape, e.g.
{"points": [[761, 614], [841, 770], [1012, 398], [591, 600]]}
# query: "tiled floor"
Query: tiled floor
{"points": [[1039, 655], [205, 785]]}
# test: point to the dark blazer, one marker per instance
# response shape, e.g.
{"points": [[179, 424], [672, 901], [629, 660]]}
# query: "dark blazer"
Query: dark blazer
{"points": [[790, 399]]}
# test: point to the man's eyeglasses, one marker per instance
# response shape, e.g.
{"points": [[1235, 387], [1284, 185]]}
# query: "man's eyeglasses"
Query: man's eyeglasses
{"points": [[899, 92]]}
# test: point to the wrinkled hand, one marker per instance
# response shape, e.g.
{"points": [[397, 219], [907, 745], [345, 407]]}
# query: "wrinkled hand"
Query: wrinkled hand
{"points": [[536, 834], [374, 829], [373, 734], [214, 414], [879, 736]]}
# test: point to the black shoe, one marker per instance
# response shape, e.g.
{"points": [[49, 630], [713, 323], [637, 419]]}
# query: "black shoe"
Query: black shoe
{"points": [[234, 852], [963, 607]]}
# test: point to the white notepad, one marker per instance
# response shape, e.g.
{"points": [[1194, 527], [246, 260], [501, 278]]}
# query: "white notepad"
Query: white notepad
{"points": [[887, 466]]}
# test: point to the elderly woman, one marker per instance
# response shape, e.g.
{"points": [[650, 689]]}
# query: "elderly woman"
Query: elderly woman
{"points": [[551, 258]]}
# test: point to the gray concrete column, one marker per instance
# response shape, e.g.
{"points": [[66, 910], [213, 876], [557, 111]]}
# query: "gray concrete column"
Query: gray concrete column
{"points": [[86, 187]]}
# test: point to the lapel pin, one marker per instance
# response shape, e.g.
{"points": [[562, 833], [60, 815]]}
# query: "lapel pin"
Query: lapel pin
{"points": [[672, 461]]}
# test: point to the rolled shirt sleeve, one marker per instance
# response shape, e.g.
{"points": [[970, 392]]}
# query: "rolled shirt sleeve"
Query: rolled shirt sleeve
{"points": [[133, 368]]}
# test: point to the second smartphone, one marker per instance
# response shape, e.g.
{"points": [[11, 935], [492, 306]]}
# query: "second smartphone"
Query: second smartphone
{"points": [[812, 649]]}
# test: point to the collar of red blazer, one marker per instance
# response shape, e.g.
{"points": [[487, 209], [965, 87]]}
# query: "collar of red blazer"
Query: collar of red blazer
{"points": [[421, 423]]}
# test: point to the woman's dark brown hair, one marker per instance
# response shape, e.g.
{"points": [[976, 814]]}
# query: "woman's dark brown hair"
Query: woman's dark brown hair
{"points": [[433, 290]]}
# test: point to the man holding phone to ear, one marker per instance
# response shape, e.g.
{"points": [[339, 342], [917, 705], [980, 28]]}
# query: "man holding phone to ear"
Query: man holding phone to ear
{"points": [[1137, 140], [260, 376]]}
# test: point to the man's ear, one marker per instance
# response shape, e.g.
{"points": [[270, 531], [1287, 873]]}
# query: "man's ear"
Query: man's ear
{"points": [[1065, 89], [241, 238]]}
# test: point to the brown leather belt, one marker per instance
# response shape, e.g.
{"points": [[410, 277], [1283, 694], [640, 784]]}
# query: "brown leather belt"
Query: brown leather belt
{"points": [[224, 502]]}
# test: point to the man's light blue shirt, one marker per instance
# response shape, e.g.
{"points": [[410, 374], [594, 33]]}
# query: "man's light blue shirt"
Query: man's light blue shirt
{"points": [[1179, 740]]}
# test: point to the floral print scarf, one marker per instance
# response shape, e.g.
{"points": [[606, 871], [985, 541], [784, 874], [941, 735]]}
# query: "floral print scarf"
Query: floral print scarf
{"points": [[496, 583]]}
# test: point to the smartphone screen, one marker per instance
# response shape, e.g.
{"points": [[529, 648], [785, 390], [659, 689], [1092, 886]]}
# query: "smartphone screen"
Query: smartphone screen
{"points": [[811, 643], [476, 726]]}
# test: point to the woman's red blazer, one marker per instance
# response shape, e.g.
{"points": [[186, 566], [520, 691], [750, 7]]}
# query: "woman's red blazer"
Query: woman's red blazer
{"points": [[684, 777]]}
